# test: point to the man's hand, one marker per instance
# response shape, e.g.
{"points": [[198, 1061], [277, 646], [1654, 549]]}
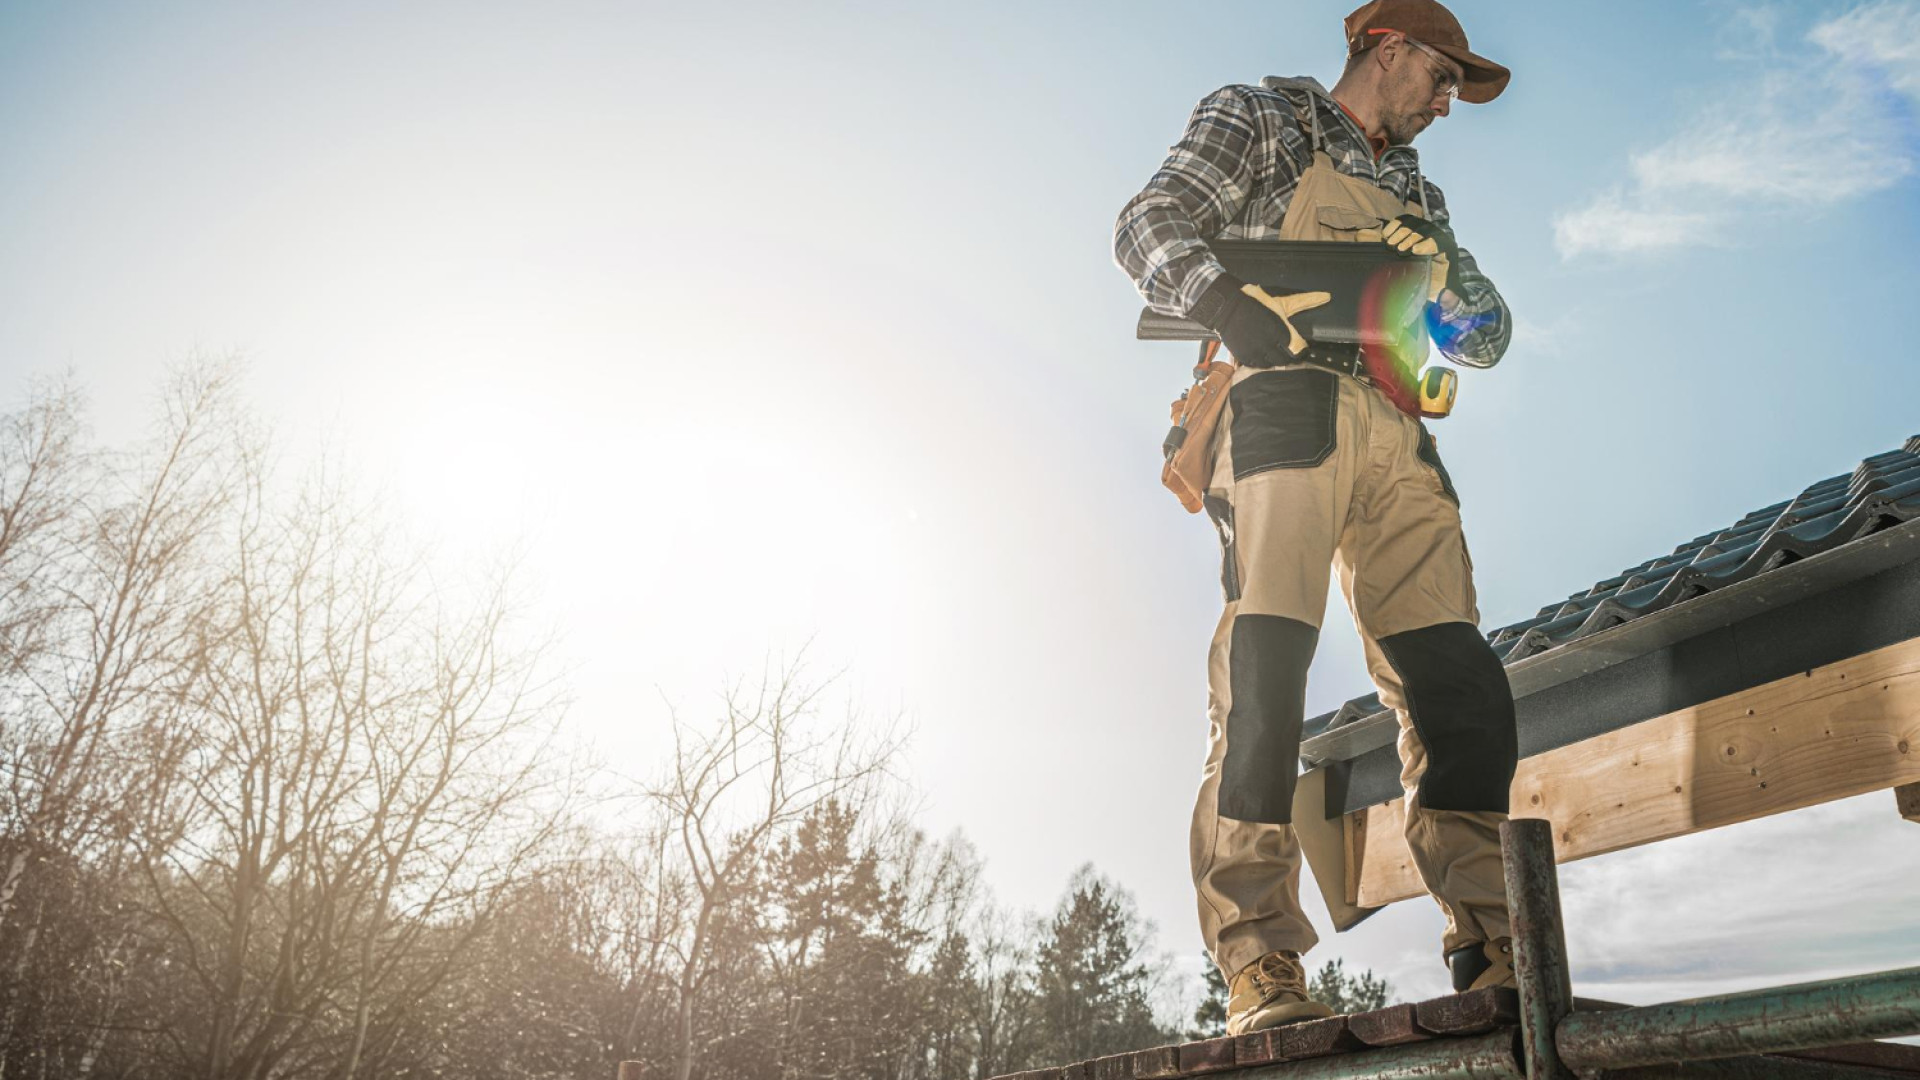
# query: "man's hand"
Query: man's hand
{"points": [[1257, 328], [1415, 235]]}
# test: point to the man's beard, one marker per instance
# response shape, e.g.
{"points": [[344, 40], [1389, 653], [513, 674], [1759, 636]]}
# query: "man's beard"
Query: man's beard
{"points": [[1401, 130]]}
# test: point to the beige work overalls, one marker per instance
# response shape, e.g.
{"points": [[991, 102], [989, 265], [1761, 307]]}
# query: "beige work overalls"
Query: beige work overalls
{"points": [[1316, 468]]}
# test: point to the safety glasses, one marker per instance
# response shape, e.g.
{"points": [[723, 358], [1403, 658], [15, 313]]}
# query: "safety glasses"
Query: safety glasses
{"points": [[1444, 80]]}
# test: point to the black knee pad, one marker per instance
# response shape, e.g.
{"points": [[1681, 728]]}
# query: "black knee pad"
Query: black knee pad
{"points": [[1462, 709], [1267, 675]]}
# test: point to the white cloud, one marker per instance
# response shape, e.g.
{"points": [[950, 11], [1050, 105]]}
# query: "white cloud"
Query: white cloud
{"points": [[1611, 224], [1535, 337], [1749, 32], [1883, 36], [1805, 133], [1821, 144], [1812, 894]]}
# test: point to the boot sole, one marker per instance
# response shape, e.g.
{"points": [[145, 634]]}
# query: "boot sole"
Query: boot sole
{"points": [[1273, 1016], [1510, 982]]}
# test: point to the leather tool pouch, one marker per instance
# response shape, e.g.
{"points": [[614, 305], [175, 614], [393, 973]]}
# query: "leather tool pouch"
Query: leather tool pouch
{"points": [[1189, 446]]}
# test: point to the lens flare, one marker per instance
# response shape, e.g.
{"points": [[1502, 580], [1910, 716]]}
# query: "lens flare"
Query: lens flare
{"points": [[1393, 333]]}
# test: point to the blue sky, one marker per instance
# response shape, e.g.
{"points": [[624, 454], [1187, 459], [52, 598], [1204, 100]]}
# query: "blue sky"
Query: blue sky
{"points": [[788, 321]]}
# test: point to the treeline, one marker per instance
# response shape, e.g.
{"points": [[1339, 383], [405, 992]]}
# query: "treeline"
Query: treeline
{"points": [[277, 800]]}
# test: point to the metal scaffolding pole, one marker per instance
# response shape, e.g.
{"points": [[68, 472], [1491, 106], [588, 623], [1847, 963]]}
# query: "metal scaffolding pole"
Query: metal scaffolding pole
{"points": [[1747, 1068], [1539, 944], [1784, 1018]]}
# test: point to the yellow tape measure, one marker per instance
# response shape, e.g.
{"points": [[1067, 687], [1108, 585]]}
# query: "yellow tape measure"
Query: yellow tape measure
{"points": [[1439, 386]]}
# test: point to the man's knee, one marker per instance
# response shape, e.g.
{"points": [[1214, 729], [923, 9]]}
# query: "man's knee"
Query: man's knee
{"points": [[1267, 673], [1462, 709]]}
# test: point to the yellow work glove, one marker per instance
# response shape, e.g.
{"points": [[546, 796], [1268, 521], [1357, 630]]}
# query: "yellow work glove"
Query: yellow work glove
{"points": [[1415, 235], [1255, 326], [1287, 307]]}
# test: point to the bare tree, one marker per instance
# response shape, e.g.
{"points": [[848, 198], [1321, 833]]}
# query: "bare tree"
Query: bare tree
{"points": [[367, 782], [643, 906], [275, 802], [100, 556], [39, 498], [39, 493], [123, 602], [1001, 997], [731, 792]]}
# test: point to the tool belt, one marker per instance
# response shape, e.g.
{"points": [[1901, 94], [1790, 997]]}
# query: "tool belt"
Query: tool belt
{"points": [[1189, 445], [1188, 448]]}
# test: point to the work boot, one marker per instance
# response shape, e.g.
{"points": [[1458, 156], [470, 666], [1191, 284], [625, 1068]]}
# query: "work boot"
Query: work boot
{"points": [[1270, 992], [1482, 964]]}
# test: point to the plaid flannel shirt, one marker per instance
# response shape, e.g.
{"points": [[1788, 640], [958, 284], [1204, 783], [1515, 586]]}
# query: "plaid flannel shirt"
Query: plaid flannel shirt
{"points": [[1232, 175]]}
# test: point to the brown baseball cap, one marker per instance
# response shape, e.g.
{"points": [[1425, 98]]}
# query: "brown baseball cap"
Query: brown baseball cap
{"points": [[1432, 25]]}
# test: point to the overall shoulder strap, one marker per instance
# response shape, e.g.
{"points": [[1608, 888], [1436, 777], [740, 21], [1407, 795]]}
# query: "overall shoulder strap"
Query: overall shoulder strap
{"points": [[1319, 139]]}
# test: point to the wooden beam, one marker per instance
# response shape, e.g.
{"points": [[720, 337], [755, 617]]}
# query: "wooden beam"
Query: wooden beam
{"points": [[1907, 798], [1836, 731]]}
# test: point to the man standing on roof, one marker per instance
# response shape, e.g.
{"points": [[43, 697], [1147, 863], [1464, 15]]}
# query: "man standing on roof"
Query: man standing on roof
{"points": [[1319, 460]]}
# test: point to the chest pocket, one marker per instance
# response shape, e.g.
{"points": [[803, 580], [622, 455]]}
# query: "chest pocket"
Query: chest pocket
{"points": [[1350, 223]]}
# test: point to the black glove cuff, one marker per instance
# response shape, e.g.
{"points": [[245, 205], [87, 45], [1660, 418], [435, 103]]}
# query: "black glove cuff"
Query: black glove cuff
{"points": [[1212, 308]]}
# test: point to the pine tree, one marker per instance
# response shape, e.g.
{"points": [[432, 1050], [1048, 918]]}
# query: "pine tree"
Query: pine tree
{"points": [[840, 950], [1091, 986], [949, 979], [1210, 1017], [1346, 993]]}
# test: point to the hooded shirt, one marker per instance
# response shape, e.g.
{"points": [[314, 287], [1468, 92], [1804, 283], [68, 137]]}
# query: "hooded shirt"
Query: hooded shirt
{"points": [[1232, 176]]}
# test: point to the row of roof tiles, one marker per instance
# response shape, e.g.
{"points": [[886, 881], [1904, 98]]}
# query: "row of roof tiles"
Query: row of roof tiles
{"points": [[1882, 492]]}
